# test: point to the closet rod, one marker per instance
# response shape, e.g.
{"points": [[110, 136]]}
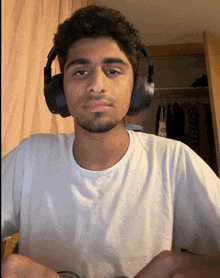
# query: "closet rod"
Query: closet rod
{"points": [[182, 89], [180, 96], [181, 93]]}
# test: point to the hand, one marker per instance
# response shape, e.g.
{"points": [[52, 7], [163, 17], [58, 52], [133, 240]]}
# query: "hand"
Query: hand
{"points": [[170, 264], [17, 266]]}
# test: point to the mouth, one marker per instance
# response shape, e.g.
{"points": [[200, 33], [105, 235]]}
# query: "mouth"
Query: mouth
{"points": [[98, 106]]}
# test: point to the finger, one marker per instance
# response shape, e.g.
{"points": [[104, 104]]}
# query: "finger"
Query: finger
{"points": [[161, 266]]}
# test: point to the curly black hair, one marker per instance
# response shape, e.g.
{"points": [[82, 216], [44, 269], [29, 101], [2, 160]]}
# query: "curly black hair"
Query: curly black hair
{"points": [[95, 22]]}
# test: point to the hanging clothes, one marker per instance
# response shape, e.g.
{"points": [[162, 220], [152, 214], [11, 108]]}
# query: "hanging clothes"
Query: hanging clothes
{"points": [[190, 123], [161, 121], [192, 137], [211, 139], [199, 135], [203, 135], [175, 122], [157, 120]]}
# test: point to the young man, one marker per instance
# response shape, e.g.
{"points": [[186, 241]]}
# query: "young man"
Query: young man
{"points": [[104, 201]]}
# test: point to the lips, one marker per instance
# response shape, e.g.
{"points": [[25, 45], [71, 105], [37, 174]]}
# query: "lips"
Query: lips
{"points": [[95, 106]]}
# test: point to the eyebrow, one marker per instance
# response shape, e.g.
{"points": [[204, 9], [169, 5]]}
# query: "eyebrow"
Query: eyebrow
{"points": [[115, 61], [83, 61]]}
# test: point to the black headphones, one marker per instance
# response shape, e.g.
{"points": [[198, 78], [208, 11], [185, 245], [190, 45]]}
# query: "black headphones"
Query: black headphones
{"points": [[54, 94]]}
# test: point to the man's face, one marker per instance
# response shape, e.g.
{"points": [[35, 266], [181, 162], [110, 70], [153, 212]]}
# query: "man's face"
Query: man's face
{"points": [[98, 82]]}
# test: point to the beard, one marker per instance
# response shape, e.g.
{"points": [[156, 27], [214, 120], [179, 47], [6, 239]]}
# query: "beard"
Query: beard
{"points": [[97, 126]]}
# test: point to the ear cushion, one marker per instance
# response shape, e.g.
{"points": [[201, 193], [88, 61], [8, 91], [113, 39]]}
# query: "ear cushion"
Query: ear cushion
{"points": [[141, 96], [55, 97]]}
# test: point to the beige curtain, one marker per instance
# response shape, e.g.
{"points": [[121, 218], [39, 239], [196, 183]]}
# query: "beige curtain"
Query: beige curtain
{"points": [[28, 27]]}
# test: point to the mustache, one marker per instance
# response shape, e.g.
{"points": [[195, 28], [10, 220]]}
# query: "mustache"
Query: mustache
{"points": [[96, 97]]}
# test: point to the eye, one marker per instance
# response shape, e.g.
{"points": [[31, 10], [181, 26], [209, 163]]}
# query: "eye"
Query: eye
{"points": [[81, 72], [113, 72]]}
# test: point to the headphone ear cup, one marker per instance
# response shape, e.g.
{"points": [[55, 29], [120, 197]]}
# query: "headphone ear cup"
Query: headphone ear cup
{"points": [[136, 100], [54, 96], [141, 96]]}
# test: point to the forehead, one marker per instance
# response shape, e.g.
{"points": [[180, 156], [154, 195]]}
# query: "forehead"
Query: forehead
{"points": [[96, 49]]}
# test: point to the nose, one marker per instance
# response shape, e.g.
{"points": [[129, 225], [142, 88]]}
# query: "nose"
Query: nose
{"points": [[97, 81]]}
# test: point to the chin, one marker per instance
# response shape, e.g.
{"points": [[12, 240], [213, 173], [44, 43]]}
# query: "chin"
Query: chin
{"points": [[98, 122], [98, 128], [98, 125]]}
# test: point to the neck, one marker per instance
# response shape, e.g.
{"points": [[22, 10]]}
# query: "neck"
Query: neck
{"points": [[100, 151]]}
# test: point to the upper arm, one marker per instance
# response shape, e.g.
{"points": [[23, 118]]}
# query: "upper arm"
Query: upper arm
{"points": [[12, 181], [197, 206]]}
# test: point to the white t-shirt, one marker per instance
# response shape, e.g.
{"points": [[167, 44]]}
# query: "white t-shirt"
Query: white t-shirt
{"points": [[159, 196]]}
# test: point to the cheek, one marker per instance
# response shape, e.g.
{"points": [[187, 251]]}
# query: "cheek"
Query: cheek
{"points": [[72, 93], [123, 102], [127, 92]]}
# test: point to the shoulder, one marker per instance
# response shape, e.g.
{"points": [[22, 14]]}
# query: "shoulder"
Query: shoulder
{"points": [[163, 145], [183, 161], [46, 140], [40, 138], [40, 145], [156, 144]]}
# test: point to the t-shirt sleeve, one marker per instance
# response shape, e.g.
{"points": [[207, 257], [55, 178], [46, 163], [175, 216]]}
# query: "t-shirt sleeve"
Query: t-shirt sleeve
{"points": [[197, 205], [12, 182]]}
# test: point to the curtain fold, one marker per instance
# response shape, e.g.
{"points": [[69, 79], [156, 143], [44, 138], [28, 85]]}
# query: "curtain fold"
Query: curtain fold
{"points": [[28, 27]]}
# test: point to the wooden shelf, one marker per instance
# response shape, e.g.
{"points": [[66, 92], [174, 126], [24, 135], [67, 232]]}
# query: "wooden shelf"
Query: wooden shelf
{"points": [[186, 92], [182, 89], [160, 52]]}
